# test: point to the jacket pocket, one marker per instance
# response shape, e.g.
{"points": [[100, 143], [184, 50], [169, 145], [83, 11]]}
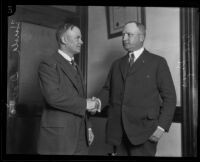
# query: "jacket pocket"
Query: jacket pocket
{"points": [[56, 119], [152, 115]]}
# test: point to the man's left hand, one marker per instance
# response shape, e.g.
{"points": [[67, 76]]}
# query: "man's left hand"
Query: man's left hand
{"points": [[156, 135]]}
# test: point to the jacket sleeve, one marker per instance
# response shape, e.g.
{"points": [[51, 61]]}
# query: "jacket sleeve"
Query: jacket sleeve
{"points": [[55, 97], [104, 94], [168, 95]]}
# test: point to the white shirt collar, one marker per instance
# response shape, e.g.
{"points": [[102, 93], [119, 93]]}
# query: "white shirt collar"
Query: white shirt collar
{"points": [[137, 53], [65, 55]]}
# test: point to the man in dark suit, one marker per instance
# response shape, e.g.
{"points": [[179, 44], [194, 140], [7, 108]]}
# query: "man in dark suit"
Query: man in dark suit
{"points": [[64, 129], [141, 97]]}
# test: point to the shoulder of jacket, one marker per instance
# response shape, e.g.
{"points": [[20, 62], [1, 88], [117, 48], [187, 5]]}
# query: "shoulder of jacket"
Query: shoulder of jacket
{"points": [[50, 61], [155, 56], [118, 60]]}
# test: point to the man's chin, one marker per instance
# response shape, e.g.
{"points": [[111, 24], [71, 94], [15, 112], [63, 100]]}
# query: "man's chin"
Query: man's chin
{"points": [[77, 52], [127, 49]]}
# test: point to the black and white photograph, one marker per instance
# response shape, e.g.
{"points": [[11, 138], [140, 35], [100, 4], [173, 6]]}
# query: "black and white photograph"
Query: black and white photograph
{"points": [[101, 81]]}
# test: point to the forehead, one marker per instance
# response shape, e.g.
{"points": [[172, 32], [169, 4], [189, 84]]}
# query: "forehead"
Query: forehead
{"points": [[131, 27], [75, 31]]}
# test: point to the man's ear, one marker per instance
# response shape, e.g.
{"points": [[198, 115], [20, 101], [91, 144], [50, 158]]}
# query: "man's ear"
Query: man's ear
{"points": [[63, 40], [142, 38]]}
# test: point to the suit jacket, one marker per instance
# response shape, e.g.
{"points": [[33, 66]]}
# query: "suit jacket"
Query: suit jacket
{"points": [[139, 100], [65, 108]]}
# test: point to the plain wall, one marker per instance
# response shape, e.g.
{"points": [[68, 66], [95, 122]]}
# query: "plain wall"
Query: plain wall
{"points": [[162, 38]]}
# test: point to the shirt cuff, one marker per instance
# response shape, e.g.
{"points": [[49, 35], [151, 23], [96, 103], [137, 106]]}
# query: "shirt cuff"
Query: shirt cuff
{"points": [[161, 128]]}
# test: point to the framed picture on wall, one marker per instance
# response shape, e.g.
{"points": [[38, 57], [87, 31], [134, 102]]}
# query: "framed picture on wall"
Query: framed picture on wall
{"points": [[119, 15]]}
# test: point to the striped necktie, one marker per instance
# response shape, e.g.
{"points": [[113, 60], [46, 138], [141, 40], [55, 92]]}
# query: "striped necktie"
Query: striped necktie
{"points": [[131, 59]]}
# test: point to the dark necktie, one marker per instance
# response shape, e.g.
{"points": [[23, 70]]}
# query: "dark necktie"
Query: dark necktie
{"points": [[74, 64], [131, 59]]}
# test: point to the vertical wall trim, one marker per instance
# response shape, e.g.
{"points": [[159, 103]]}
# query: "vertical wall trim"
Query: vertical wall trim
{"points": [[143, 16], [189, 76], [83, 59]]}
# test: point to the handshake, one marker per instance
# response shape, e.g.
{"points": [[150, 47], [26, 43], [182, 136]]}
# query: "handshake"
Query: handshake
{"points": [[93, 105]]}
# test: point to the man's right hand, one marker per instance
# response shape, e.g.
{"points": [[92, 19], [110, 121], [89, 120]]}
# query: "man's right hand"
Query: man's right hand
{"points": [[91, 105]]}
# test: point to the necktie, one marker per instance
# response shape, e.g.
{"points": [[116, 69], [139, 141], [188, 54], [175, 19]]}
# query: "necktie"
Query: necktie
{"points": [[74, 64], [131, 59]]}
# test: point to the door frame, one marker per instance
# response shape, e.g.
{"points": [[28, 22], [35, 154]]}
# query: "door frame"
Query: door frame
{"points": [[189, 36]]}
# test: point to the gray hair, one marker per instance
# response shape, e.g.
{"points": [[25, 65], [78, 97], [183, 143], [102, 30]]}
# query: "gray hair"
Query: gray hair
{"points": [[61, 30]]}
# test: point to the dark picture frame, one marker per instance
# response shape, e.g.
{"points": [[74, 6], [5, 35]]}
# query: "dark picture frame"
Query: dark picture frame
{"points": [[117, 16]]}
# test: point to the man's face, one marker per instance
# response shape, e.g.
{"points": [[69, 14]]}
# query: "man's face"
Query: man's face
{"points": [[132, 38], [72, 39]]}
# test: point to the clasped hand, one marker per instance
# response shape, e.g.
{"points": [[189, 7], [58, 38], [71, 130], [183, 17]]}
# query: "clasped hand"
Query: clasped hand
{"points": [[93, 105]]}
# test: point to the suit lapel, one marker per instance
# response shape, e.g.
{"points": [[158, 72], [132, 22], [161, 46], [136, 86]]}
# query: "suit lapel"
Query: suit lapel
{"points": [[82, 81], [68, 70], [124, 65]]}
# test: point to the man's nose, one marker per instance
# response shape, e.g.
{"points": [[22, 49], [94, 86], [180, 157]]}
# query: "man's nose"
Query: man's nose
{"points": [[81, 42]]}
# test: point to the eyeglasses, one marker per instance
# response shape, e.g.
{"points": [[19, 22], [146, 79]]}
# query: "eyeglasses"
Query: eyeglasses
{"points": [[129, 34]]}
